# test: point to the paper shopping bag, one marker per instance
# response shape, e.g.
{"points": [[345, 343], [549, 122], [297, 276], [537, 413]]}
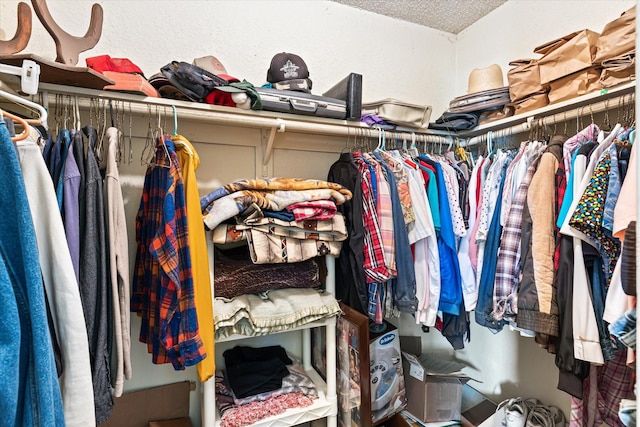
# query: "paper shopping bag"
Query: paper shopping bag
{"points": [[524, 79], [566, 55], [618, 37], [575, 84], [618, 70], [531, 102]]}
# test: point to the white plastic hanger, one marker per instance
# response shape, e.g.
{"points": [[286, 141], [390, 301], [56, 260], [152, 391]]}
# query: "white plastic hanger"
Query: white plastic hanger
{"points": [[27, 103]]}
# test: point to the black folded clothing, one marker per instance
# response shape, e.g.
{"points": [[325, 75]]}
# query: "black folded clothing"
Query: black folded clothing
{"points": [[455, 121], [252, 371], [193, 81], [480, 101]]}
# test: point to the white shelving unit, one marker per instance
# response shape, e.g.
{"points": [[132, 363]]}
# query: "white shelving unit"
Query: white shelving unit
{"points": [[325, 406]]}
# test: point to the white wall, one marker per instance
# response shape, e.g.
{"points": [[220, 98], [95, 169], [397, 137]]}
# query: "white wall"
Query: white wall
{"points": [[514, 29], [334, 40]]}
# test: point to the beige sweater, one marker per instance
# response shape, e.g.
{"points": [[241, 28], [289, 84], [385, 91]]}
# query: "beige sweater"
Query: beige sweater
{"points": [[118, 266], [542, 207]]}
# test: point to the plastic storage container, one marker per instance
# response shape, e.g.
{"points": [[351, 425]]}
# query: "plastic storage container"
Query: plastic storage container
{"points": [[399, 112]]}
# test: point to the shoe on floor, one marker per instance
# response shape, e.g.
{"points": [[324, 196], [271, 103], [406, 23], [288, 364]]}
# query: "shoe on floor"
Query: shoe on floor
{"points": [[516, 411], [546, 416]]}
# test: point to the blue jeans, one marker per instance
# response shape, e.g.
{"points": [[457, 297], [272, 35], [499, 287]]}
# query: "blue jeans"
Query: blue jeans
{"points": [[29, 383], [627, 413], [484, 306], [625, 329], [599, 293], [404, 286]]}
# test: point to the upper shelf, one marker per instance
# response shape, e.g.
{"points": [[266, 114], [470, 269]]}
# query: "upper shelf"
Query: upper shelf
{"points": [[522, 122], [282, 122]]}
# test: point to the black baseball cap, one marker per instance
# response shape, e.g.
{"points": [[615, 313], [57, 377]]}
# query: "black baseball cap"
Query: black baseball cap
{"points": [[287, 66]]}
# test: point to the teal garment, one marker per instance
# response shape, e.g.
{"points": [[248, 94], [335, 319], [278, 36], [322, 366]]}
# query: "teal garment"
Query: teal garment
{"points": [[568, 195], [432, 196]]}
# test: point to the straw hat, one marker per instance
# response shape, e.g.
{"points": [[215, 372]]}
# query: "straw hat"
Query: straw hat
{"points": [[482, 79]]}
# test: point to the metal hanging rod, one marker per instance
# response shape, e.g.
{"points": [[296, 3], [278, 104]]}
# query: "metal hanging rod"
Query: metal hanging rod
{"points": [[560, 112], [276, 122]]}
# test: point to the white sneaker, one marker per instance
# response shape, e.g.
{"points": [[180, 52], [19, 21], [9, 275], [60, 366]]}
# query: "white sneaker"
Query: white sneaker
{"points": [[546, 416], [516, 411]]}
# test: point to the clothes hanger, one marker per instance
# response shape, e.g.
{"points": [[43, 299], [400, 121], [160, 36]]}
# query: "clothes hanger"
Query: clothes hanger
{"points": [[176, 138], [26, 103], [159, 133], [413, 150], [380, 140], [147, 151], [346, 143], [21, 121], [175, 120], [130, 157]]}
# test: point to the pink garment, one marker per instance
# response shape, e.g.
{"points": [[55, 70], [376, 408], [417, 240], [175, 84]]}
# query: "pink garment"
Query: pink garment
{"points": [[253, 412], [473, 247], [313, 209]]}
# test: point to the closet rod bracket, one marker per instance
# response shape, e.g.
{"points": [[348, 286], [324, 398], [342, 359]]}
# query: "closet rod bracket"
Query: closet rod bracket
{"points": [[280, 127], [29, 74]]}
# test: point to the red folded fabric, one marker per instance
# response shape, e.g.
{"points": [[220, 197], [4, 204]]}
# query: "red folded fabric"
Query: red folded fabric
{"points": [[217, 97], [104, 63]]}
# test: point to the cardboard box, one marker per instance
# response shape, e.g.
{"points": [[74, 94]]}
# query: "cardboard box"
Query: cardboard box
{"points": [[177, 422], [387, 378], [139, 408], [478, 410], [434, 391], [396, 421]]}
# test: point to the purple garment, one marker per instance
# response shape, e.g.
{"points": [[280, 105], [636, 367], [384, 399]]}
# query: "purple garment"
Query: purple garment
{"points": [[71, 209], [373, 120]]}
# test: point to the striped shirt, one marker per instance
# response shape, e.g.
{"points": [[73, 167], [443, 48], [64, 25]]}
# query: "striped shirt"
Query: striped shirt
{"points": [[505, 304], [374, 266]]}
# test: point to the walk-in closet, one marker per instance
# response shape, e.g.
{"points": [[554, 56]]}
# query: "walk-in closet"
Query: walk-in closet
{"points": [[119, 311]]}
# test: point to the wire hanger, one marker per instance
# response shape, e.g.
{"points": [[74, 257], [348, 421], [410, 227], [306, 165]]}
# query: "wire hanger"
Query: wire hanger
{"points": [[159, 133]]}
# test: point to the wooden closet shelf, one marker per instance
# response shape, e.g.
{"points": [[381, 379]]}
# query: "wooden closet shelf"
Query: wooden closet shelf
{"points": [[283, 122], [593, 102]]}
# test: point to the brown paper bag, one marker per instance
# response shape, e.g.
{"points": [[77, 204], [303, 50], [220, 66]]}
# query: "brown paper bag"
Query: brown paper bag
{"points": [[531, 102], [566, 55], [575, 84], [618, 37], [524, 79], [621, 69]]}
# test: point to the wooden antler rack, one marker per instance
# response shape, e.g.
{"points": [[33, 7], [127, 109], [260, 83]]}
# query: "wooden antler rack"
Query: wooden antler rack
{"points": [[23, 32], [68, 47]]}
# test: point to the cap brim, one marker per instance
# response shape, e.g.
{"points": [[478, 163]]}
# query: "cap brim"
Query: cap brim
{"points": [[299, 85], [229, 78], [231, 89], [171, 92]]}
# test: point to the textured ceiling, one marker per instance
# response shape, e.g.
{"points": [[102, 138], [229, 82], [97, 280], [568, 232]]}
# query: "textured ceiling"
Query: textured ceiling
{"points": [[451, 16]]}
